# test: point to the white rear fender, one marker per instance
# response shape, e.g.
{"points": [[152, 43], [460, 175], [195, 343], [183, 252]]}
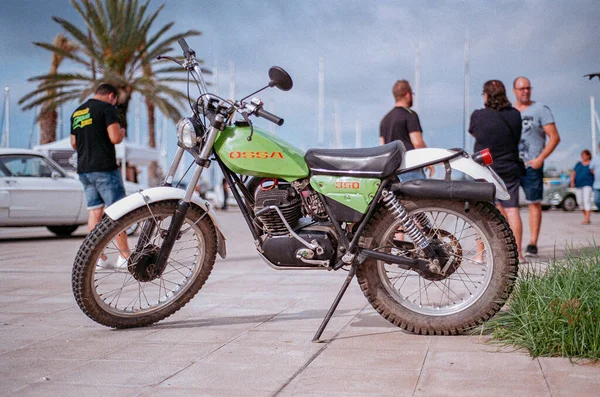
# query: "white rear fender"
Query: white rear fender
{"points": [[414, 158], [156, 194]]}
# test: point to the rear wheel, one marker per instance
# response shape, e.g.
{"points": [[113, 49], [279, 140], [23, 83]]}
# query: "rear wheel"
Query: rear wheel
{"points": [[135, 295], [477, 282]]}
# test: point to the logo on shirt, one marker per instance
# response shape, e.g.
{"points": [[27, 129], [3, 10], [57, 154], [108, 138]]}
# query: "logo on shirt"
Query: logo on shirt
{"points": [[82, 118]]}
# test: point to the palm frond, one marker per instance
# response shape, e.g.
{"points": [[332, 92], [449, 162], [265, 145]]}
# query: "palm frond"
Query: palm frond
{"points": [[161, 48], [64, 53], [152, 40], [60, 77], [43, 88], [79, 36], [169, 69], [55, 99]]}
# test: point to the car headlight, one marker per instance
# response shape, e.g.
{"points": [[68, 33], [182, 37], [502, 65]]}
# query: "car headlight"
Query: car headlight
{"points": [[556, 196], [188, 131]]}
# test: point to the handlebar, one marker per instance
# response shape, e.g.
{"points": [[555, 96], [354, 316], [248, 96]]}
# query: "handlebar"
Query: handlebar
{"points": [[187, 51], [192, 65], [260, 112]]}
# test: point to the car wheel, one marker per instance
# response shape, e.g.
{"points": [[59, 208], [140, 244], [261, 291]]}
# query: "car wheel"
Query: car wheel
{"points": [[546, 207], [569, 203], [63, 231]]}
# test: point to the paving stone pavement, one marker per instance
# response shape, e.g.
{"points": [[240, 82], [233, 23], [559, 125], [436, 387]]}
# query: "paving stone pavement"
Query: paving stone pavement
{"points": [[248, 333]]}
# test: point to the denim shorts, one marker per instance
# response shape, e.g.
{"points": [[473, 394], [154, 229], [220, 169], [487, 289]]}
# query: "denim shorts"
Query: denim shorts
{"points": [[533, 184], [102, 188], [411, 175]]}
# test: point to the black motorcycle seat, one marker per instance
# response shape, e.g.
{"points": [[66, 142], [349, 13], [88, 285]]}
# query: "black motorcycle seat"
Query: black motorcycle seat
{"points": [[374, 162]]}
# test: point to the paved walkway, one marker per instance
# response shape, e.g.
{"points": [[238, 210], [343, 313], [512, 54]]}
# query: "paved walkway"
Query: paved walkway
{"points": [[248, 333]]}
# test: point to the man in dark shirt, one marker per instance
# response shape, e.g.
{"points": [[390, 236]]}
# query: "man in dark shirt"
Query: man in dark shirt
{"points": [[402, 123], [95, 130]]}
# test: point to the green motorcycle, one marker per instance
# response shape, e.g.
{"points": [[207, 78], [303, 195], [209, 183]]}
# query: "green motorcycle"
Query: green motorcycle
{"points": [[431, 256]]}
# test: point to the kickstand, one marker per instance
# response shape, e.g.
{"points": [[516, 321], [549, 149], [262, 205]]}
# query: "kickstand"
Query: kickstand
{"points": [[334, 305]]}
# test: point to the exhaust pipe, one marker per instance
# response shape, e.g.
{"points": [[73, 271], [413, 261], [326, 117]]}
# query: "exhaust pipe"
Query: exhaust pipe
{"points": [[442, 189]]}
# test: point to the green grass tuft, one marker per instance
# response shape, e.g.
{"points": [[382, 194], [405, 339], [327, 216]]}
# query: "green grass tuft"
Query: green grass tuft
{"points": [[554, 312]]}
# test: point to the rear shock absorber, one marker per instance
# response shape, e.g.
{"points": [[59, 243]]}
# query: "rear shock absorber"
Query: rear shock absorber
{"points": [[394, 205], [423, 221]]}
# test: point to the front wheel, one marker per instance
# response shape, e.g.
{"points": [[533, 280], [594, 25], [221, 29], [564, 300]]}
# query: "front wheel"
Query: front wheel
{"points": [[479, 248], [128, 293]]}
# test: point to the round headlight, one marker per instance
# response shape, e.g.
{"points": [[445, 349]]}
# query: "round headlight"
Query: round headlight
{"points": [[186, 133]]}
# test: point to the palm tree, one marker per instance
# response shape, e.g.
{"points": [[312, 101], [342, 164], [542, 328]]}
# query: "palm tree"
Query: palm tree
{"points": [[592, 75], [48, 116], [114, 50]]}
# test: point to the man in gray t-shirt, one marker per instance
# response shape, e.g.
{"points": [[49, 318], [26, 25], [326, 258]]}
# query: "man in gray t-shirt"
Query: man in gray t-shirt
{"points": [[533, 137], [538, 123]]}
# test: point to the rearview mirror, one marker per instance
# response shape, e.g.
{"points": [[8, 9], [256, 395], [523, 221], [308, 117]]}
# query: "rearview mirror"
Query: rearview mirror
{"points": [[280, 79]]}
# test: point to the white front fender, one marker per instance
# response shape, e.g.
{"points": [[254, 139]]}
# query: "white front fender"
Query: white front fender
{"points": [[163, 193], [414, 158]]}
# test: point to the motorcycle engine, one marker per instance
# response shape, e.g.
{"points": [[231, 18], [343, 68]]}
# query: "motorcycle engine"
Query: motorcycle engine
{"points": [[278, 246], [284, 197]]}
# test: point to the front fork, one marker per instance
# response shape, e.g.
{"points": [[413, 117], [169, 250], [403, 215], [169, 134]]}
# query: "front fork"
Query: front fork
{"points": [[172, 233]]}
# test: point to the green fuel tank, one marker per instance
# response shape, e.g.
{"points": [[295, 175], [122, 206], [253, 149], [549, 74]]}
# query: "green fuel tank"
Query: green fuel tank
{"points": [[266, 155]]}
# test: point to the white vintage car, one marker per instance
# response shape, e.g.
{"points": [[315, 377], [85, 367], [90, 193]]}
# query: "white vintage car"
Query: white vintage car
{"points": [[36, 191]]}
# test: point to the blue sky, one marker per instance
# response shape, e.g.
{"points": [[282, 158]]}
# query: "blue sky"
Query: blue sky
{"points": [[367, 47]]}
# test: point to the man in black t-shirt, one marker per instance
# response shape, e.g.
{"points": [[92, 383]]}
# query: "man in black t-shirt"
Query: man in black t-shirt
{"points": [[95, 130], [402, 123]]}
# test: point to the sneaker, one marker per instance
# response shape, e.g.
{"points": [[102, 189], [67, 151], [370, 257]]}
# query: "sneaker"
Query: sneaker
{"points": [[121, 263], [531, 250], [105, 264], [102, 264]]}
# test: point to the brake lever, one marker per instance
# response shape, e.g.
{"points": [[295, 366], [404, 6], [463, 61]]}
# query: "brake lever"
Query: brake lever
{"points": [[180, 63], [247, 119]]}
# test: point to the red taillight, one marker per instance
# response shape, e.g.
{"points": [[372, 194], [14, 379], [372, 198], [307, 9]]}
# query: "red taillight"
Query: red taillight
{"points": [[483, 157], [486, 155]]}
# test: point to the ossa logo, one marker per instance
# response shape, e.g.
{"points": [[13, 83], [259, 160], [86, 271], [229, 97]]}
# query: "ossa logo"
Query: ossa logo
{"points": [[255, 155], [347, 185]]}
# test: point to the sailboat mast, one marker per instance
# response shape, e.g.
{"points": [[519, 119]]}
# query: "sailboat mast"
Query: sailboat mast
{"points": [[321, 110], [417, 78], [7, 112], [232, 81], [466, 104]]}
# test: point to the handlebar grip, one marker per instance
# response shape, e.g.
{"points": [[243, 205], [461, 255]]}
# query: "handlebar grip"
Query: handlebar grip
{"points": [[269, 116], [187, 51]]}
